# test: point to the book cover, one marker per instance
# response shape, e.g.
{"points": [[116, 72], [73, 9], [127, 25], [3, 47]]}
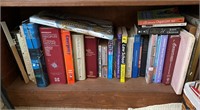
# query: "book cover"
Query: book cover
{"points": [[161, 16], [91, 56], [99, 59], [52, 47], [161, 58], [170, 59], [144, 55], [104, 56], [110, 59], [118, 59], [79, 56], [182, 61], [68, 56], [129, 52], [123, 55], [84, 25]]}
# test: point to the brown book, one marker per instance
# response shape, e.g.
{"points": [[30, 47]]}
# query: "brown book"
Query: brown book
{"points": [[91, 57], [191, 28], [170, 58]]}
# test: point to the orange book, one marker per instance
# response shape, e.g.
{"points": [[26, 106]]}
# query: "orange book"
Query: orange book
{"points": [[68, 56]]}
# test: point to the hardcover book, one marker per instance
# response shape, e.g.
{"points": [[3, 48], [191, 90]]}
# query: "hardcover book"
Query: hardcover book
{"points": [[110, 59], [68, 56], [170, 59], [79, 56], [118, 56], [91, 56], [52, 47], [89, 26], [161, 16], [182, 61]]}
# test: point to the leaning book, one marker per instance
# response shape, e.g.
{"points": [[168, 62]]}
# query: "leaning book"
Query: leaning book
{"points": [[89, 26]]}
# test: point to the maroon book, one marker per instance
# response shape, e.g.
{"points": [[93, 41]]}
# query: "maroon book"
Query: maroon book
{"points": [[170, 59], [91, 56], [52, 47]]}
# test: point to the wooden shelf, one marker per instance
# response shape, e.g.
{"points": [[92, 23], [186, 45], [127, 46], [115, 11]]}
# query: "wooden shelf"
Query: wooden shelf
{"points": [[92, 93], [37, 3]]}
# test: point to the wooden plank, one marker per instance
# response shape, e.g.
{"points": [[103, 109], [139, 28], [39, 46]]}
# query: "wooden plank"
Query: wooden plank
{"points": [[36, 3]]}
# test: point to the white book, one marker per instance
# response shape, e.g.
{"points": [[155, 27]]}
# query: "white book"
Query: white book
{"points": [[79, 56], [129, 52], [182, 61], [99, 59], [165, 25]]}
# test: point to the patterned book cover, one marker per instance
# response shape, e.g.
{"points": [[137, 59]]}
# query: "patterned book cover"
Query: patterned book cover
{"points": [[84, 25], [123, 55], [161, 58], [68, 56], [161, 16], [52, 47], [91, 56], [110, 59], [118, 59], [104, 56], [170, 59], [79, 56], [182, 61]]}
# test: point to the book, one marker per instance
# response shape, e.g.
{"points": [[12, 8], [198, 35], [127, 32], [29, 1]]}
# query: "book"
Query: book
{"points": [[91, 56], [161, 16], [182, 61], [140, 56], [144, 55], [163, 31], [52, 47], [170, 58], [165, 25], [68, 56], [114, 56], [118, 56], [110, 59], [150, 58], [104, 56], [14, 51], [129, 52], [79, 56], [99, 59], [84, 25], [123, 55], [191, 28]]}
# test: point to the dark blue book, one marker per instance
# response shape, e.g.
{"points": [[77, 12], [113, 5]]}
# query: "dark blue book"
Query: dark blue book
{"points": [[118, 59]]}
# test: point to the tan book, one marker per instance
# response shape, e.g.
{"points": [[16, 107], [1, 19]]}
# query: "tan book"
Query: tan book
{"points": [[191, 28]]}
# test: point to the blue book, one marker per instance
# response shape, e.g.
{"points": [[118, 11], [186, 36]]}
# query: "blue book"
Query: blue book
{"points": [[136, 53], [161, 58], [118, 59], [32, 35], [110, 59]]}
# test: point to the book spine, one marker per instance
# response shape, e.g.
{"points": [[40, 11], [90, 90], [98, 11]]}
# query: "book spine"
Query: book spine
{"points": [[159, 70], [163, 31], [118, 61], [144, 55], [100, 59], [140, 56], [123, 59], [68, 56], [91, 56], [104, 61], [129, 57], [51, 42], [79, 56], [110, 59], [136, 53], [114, 57], [161, 21], [170, 59]]}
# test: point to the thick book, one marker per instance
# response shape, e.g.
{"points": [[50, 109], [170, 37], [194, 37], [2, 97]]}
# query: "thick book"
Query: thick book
{"points": [[104, 58], [150, 58], [110, 59], [123, 55], [170, 58], [163, 31], [118, 56], [52, 47], [91, 56], [68, 56], [182, 61], [144, 55], [129, 52], [89, 26], [161, 16], [79, 56]]}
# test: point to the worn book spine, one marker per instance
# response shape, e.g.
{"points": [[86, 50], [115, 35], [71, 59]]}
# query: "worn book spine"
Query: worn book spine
{"points": [[170, 58], [52, 47], [91, 57], [68, 56], [110, 59]]}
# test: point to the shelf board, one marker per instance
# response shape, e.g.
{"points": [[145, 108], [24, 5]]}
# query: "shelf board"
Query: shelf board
{"points": [[92, 93], [37, 3]]}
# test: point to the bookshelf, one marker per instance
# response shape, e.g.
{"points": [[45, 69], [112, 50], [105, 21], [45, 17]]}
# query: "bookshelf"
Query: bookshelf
{"points": [[92, 93]]}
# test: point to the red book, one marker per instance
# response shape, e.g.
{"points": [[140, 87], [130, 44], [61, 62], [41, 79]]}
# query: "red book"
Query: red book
{"points": [[52, 47], [91, 56], [170, 58]]}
